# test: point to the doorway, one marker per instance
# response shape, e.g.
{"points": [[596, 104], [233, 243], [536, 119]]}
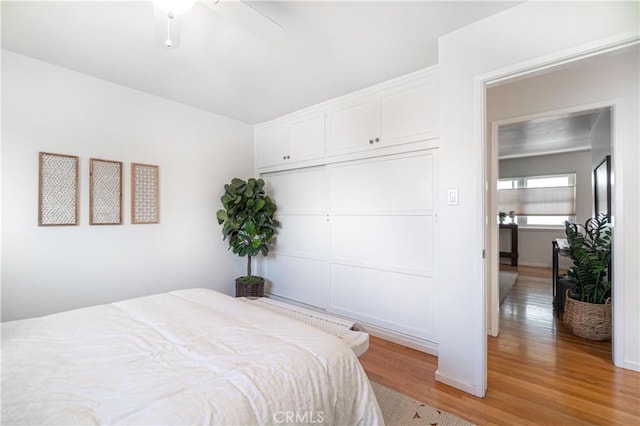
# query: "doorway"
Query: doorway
{"points": [[541, 156], [565, 93]]}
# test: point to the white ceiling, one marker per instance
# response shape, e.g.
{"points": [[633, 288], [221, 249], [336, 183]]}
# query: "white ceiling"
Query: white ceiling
{"points": [[558, 133], [229, 65]]}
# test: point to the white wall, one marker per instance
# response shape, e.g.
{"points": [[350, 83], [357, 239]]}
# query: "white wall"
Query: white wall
{"points": [[534, 245], [601, 136], [528, 34], [50, 269]]}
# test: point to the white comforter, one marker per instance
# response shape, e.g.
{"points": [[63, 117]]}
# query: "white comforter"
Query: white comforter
{"points": [[186, 357]]}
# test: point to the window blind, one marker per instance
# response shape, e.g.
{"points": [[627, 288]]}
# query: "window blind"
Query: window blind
{"points": [[546, 201]]}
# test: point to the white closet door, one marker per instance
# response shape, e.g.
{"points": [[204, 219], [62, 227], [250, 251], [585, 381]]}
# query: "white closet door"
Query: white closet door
{"points": [[398, 302], [398, 184], [297, 267], [297, 278], [389, 242], [382, 242]]}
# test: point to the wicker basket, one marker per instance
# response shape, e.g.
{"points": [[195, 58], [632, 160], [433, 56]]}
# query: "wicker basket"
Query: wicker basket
{"points": [[249, 290], [588, 320]]}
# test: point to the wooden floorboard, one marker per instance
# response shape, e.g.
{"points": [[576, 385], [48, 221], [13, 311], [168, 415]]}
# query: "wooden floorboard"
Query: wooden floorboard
{"points": [[538, 372]]}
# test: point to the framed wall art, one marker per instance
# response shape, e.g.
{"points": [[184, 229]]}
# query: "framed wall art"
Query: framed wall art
{"points": [[145, 193], [57, 189], [602, 187], [105, 192]]}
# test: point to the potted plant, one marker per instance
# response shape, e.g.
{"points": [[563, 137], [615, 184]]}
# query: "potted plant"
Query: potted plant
{"points": [[249, 225], [587, 311], [502, 216]]}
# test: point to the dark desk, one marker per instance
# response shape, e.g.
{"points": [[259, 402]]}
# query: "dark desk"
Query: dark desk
{"points": [[558, 297], [513, 254]]}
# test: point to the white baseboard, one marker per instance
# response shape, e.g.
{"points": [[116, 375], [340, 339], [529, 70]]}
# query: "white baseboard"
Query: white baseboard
{"points": [[402, 339], [447, 380], [631, 365], [381, 332]]}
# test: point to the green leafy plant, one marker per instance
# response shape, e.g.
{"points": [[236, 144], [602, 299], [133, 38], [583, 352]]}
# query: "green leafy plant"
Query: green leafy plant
{"points": [[247, 219], [590, 250]]}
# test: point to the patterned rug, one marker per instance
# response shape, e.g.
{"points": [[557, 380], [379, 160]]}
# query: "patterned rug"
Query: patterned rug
{"points": [[398, 409], [507, 280]]}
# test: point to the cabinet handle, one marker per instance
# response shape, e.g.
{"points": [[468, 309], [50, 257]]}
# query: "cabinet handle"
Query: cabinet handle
{"points": [[288, 157], [284, 157], [377, 139], [370, 141]]}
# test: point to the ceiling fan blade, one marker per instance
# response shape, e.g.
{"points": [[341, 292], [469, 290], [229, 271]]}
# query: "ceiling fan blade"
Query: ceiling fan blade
{"points": [[247, 15]]}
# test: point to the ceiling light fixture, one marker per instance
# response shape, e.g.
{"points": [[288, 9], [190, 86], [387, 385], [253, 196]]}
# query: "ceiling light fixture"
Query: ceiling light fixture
{"points": [[171, 9], [174, 8]]}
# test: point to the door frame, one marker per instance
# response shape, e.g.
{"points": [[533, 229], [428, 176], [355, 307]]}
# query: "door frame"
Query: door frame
{"points": [[524, 69], [493, 302]]}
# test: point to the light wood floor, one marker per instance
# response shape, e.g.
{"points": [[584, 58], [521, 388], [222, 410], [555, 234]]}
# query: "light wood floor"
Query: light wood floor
{"points": [[538, 372]]}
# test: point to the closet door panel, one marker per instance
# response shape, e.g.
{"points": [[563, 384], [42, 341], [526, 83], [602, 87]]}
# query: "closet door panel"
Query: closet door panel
{"points": [[303, 235], [400, 243], [299, 191], [383, 185], [399, 302], [296, 278]]}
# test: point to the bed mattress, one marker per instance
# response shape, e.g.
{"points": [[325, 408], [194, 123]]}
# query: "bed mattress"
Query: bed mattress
{"points": [[185, 357]]}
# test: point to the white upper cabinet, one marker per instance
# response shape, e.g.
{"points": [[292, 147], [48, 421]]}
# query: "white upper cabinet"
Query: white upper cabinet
{"points": [[287, 142], [408, 114], [396, 116], [307, 137], [350, 125], [272, 144], [395, 113]]}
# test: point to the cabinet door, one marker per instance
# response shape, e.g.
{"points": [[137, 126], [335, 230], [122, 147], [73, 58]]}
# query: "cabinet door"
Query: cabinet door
{"points": [[408, 113], [351, 126], [307, 138], [272, 144]]}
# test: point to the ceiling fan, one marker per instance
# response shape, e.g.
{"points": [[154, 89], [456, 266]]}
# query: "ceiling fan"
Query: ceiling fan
{"points": [[167, 13]]}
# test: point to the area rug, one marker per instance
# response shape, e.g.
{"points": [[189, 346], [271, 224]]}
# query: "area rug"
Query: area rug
{"points": [[507, 280], [398, 409]]}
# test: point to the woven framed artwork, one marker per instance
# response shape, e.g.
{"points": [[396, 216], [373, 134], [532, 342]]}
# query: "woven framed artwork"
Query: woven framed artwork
{"points": [[105, 192], [145, 190], [57, 189]]}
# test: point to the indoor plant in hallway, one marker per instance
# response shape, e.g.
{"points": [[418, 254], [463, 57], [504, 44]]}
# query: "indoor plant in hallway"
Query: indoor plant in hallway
{"points": [[587, 312], [249, 225]]}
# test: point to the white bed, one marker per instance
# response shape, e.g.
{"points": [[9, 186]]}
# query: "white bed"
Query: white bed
{"points": [[186, 357]]}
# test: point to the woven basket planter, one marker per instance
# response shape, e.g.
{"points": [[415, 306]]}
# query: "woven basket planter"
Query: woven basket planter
{"points": [[587, 320], [249, 290]]}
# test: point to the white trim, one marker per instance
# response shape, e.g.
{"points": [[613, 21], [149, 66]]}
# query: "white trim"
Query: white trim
{"points": [[447, 380], [547, 152], [480, 336], [525, 69], [374, 330], [421, 345], [630, 365], [617, 218], [591, 106]]}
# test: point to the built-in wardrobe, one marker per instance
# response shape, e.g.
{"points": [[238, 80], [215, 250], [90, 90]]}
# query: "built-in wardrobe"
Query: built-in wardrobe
{"points": [[354, 180]]}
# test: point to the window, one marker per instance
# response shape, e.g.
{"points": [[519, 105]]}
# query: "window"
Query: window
{"points": [[543, 201]]}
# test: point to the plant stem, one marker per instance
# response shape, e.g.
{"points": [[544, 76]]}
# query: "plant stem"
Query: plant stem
{"points": [[248, 265]]}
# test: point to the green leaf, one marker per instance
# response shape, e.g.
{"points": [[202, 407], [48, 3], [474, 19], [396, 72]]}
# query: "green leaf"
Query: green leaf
{"points": [[247, 217]]}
